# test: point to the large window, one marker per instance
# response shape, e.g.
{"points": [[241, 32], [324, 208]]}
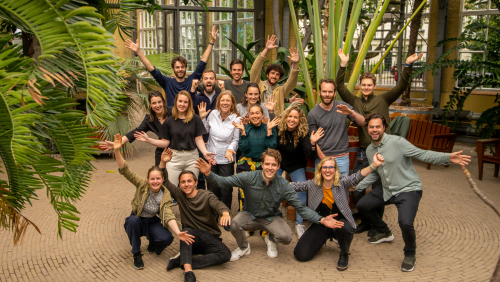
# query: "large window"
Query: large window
{"points": [[185, 30], [479, 11]]}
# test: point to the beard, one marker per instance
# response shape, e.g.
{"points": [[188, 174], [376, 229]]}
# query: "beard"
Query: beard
{"points": [[205, 89], [327, 104], [180, 74]]}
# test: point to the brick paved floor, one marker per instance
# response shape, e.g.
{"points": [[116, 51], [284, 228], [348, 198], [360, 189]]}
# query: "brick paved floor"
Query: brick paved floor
{"points": [[457, 238]]}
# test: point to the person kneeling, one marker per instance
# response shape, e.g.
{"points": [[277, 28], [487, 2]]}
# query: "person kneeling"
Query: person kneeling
{"points": [[151, 198], [199, 211], [328, 193]]}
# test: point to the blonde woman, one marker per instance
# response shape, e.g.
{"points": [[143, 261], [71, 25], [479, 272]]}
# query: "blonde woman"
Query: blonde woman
{"points": [[294, 143], [183, 132], [328, 193]]}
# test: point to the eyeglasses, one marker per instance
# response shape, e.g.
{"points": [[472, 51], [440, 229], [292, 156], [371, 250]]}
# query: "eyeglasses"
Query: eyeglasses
{"points": [[328, 167]]}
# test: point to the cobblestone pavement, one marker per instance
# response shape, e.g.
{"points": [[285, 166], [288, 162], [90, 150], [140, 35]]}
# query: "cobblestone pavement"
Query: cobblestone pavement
{"points": [[457, 239]]}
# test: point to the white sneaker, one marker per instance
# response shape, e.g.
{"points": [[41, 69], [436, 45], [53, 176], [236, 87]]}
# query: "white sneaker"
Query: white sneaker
{"points": [[299, 230], [238, 253], [272, 249], [247, 233]]}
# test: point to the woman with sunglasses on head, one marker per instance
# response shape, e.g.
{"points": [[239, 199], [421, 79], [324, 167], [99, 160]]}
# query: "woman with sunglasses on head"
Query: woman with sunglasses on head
{"points": [[222, 140], [294, 143], [328, 193], [158, 113], [183, 133]]}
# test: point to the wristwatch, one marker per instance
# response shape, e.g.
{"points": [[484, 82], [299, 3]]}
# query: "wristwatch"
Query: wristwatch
{"points": [[371, 167]]}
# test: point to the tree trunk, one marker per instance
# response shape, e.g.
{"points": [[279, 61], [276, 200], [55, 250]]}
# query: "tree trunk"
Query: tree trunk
{"points": [[414, 27]]}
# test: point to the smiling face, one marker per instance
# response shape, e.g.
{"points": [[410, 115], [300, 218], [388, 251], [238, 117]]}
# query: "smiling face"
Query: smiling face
{"points": [[269, 167], [188, 185], [179, 69], [328, 173], [155, 180], [327, 93], [226, 102], [252, 95], [376, 129], [156, 104], [237, 71], [273, 77], [255, 115], [292, 121], [367, 86], [208, 80], [182, 103]]}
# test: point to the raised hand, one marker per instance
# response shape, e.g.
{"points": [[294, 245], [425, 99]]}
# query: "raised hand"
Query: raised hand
{"points": [[330, 222], [213, 34], [270, 104], [225, 219], [229, 155], [132, 46], [295, 99], [414, 58], [378, 160], [272, 124], [265, 120], [270, 44], [343, 109], [203, 166], [106, 145], [167, 155], [316, 136], [203, 110], [221, 85], [184, 236], [118, 142], [245, 120], [141, 136], [239, 125], [294, 55], [458, 158], [344, 59], [194, 85]]}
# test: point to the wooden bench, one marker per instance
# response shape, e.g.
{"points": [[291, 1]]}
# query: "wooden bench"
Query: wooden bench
{"points": [[482, 158], [431, 136]]}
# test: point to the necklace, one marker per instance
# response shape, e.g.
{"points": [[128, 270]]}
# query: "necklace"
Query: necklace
{"points": [[290, 139]]}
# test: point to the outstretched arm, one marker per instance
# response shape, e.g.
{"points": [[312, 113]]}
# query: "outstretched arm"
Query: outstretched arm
{"points": [[394, 93], [349, 111], [135, 47], [122, 164], [208, 51], [142, 136], [184, 236]]}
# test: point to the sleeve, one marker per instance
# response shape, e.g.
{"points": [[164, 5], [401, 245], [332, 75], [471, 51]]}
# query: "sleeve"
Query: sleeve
{"points": [[302, 186], [409, 150], [142, 127], [235, 139], [264, 110], [165, 129], [131, 176], [200, 128], [271, 141], [347, 182], [392, 95], [306, 213], [272, 116], [216, 205], [256, 69], [237, 180], [159, 77], [351, 118], [199, 70], [206, 123], [170, 186], [291, 82], [344, 93], [311, 121], [168, 215], [244, 142], [369, 180], [306, 147]]}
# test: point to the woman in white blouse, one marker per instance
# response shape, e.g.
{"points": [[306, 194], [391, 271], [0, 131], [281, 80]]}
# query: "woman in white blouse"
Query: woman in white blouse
{"points": [[223, 140]]}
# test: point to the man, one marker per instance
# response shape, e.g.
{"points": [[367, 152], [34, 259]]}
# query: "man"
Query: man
{"points": [[264, 192], [401, 184], [206, 97], [199, 210], [367, 105], [237, 85], [331, 114], [172, 86], [274, 72]]}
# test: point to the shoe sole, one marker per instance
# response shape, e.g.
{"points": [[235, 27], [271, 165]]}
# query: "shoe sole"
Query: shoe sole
{"points": [[408, 270], [341, 268], [271, 256], [387, 239], [170, 260], [246, 253]]}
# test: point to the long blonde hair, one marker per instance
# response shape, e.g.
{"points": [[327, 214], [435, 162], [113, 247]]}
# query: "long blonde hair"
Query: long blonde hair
{"points": [[233, 100], [300, 131], [189, 111], [318, 178]]}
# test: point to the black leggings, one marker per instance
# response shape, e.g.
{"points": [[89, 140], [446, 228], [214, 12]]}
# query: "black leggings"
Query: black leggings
{"points": [[316, 236], [225, 194]]}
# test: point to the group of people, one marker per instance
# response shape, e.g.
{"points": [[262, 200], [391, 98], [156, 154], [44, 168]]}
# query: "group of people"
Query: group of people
{"points": [[210, 128]]}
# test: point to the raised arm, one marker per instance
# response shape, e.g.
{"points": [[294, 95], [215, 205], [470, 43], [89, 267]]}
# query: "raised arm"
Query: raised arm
{"points": [[355, 178], [135, 47], [166, 156], [344, 93], [392, 95], [291, 82], [208, 51], [237, 180], [349, 111], [122, 164], [259, 61], [302, 186]]}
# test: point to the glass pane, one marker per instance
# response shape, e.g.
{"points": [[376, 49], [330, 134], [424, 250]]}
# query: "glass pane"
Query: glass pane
{"points": [[474, 5], [479, 34], [170, 33], [494, 6], [245, 4], [221, 3], [223, 48]]}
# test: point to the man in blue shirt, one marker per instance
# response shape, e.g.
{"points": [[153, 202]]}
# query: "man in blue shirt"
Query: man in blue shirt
{"points": [[172, 86], [264, 192]]}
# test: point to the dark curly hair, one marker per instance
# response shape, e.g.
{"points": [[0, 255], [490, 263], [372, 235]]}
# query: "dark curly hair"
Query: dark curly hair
{"points": [[375, 116], [275, 67], [179, 59]]}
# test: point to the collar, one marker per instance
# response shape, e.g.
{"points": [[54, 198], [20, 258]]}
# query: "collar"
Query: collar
{"points": [[384, 140], [370, 97], [202, 92], [263, 181]]}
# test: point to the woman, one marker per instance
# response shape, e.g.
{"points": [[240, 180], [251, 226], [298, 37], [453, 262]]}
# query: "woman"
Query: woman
{"points": [[328, 193], [252, 98], [294, 143], [222, 140], [158, 112], [151, 199], [183, 132]]}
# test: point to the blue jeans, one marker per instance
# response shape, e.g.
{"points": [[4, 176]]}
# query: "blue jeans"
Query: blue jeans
{"points": [[342, 163], [298, 175]]}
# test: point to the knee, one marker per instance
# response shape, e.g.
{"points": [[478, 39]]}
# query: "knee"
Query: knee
{"points": [[361, 207], [189, 230], [301, 255], [132, 222], [283, 238], [347, 228], [225, 255], [405, 224]]}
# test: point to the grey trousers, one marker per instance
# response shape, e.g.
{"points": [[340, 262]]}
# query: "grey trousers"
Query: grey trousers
{"points": [[278, 229]]}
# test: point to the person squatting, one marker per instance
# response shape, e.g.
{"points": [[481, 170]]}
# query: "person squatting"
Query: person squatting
{"points": [[207, 129]]}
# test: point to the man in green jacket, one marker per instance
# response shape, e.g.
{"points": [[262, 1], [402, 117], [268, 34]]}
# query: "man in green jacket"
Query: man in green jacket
{"points": [[366, 105], [401, 184]]}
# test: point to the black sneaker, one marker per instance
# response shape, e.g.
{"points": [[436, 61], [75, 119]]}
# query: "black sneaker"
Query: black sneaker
{"points": [[138, 263], [227, 227], [362, 227], [151, 248], [189, 277], [372, 233], [381, 237], [174, 262], [343, 261], [408, 264]]}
